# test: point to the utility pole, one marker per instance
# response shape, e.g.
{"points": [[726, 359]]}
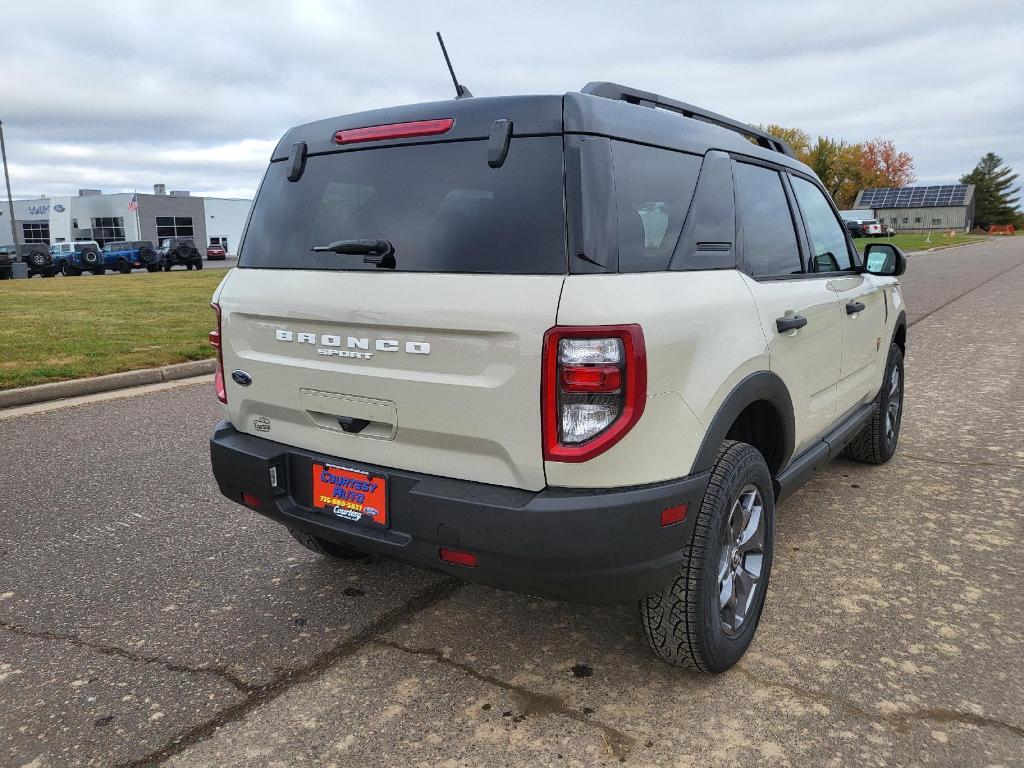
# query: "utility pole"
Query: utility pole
{"points": [[10, 200]]}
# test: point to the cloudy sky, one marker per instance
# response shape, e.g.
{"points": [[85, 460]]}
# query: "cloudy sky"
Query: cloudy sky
{"points": [[119, 96]]}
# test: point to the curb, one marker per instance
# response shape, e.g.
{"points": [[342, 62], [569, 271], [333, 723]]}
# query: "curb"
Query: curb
{"points": [[58, 390]]}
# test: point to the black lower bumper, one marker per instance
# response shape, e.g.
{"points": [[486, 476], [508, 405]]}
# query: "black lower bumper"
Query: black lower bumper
{"points": [[597, 547]]}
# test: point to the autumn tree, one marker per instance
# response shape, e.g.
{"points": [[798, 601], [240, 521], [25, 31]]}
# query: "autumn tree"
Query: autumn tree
{"points": [[995, 198], [845, 168]]}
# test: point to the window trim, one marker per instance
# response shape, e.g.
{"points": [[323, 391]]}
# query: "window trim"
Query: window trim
{"points": [[850, 247], [742, 262]]}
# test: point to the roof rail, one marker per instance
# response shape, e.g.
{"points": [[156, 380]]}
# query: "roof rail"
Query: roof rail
{"points": [[647, 99]]}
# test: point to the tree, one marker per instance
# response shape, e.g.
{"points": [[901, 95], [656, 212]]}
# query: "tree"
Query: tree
{"points": [[883, 166], [995, 198], [838, 165]]}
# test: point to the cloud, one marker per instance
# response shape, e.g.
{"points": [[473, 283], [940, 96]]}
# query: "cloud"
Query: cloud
{"points": [[194, 94]]}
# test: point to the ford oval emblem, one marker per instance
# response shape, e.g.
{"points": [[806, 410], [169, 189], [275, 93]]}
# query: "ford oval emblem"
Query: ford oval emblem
{"points": [[241, 378]]}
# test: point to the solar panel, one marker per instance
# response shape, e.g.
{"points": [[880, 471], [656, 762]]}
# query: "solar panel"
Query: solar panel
{"points": [[914, 197]]}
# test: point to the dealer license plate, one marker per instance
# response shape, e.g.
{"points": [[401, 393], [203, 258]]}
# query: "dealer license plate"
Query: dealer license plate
{"points": [[350, 494]]}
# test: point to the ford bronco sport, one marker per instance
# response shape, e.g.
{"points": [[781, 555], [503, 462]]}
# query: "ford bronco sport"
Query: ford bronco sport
{"points": [[577, 346]]}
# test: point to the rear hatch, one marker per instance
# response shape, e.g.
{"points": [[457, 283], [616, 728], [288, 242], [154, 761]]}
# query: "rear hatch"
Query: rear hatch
{"points": [[429, 363]]}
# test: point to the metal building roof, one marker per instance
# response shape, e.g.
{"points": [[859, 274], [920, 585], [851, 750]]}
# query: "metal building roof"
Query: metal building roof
{"points": [[915, 197]]}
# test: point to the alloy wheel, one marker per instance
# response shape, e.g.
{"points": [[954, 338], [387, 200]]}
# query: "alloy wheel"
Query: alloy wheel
{"points": [[739, 567]]}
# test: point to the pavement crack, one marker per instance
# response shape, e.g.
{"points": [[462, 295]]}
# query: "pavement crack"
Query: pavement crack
{"points": [[119, 652], [617, 743], [899, 721], [953, 463], [283, 682]]}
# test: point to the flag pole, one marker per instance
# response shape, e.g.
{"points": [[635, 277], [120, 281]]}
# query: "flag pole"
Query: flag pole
{"points": [[10, 200]]}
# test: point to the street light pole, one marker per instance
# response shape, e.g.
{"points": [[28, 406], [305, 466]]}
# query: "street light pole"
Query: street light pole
{"points": [[10, 200]]}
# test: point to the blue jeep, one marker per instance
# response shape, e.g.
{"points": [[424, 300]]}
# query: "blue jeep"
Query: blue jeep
{"points": [[126, 256], [72, 259]]}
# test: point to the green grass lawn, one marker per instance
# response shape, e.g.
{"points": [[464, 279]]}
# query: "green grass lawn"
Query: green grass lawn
{"points": [[915, 242], [67, 328]]}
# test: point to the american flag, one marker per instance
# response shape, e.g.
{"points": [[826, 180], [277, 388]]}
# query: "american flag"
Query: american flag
{"points": [[133, 204]]}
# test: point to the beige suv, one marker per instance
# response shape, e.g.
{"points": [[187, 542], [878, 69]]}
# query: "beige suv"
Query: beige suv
{"points": [[577, 346]]}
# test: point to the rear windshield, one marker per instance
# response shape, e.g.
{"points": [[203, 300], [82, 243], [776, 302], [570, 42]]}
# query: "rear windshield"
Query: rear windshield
{"points": [[441, 206]]}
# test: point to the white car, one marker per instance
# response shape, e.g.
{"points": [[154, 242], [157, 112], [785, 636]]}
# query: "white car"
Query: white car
{"points": [[577, 346]]}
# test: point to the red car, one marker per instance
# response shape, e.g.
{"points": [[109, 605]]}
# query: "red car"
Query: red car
{"points": [[216, 253]]}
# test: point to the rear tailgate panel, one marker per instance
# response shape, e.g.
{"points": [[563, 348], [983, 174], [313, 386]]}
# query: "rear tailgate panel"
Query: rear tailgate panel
{"points": [[467, 409]]}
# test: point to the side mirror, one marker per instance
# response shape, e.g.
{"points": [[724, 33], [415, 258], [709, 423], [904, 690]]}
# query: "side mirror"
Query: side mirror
{"points": [[884, 259]]}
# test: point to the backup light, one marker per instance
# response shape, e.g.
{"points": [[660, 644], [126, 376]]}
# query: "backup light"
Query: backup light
{"points": [[394, 131]]}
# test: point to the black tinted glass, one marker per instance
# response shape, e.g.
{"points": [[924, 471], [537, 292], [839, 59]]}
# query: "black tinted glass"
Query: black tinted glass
{"points": [[653, 188], [828, 237], [769, 239], [440, 205]]}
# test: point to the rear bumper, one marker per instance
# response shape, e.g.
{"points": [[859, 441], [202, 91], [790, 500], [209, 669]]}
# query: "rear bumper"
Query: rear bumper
{"points": [[596, 547]]}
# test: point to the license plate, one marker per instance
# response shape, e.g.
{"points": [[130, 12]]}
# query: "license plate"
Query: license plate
{"points": [[350, 494]]}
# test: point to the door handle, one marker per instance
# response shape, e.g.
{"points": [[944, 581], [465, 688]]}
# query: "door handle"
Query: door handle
{"points": [[790, 323], [853, 307]]}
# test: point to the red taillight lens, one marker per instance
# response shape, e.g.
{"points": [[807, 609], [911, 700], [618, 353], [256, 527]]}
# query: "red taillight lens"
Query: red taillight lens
{"points": [[215, 342], [458, 557], [594, 388], [394, 131]]}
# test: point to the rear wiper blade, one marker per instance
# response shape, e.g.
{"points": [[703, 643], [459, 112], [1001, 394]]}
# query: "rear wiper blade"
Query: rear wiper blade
{"points": [[379, 252]]}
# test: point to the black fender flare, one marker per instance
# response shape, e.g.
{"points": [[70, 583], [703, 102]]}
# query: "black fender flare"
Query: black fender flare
{"points": [[763, 385], [901, 322]]}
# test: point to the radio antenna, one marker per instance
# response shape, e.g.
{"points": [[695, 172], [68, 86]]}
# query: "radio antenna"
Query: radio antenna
{"points": [[461, 91]]}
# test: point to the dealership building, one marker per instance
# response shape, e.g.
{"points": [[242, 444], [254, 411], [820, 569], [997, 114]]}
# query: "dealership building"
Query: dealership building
{"points": [[92, 215]]}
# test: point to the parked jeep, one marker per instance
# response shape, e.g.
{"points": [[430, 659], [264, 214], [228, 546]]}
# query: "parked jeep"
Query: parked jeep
{"points": [[138, 254], [180, 250], [577, 346], [35, 256], [71, 259]]}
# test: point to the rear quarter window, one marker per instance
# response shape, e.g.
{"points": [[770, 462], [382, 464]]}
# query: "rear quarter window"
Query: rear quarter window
{"points": [[653, 190]]}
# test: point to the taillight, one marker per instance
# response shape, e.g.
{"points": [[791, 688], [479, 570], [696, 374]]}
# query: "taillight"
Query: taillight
{"points": [[215, 342], [394, 131], [594, 388]]}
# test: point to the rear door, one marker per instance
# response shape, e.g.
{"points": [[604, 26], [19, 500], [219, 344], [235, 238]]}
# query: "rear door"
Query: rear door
{"points": [[432, 365], [799, 312], [860, 296]]}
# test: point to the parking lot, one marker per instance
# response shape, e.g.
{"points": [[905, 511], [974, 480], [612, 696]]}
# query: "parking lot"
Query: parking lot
{"points": [[144, 620]]}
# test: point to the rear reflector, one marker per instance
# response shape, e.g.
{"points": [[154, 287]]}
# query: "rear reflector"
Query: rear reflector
{"points": [[457, 557], [394, 131], [674, 515], [251, 500]]}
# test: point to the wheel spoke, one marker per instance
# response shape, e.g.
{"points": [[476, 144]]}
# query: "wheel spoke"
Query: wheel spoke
{"points": [[744, 591], [752, 538], [726, 591]]}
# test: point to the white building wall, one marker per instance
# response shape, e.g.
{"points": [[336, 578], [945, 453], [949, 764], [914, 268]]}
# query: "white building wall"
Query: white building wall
{"points": [[225, 218]]}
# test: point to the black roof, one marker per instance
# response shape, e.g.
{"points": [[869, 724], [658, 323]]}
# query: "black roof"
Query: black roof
{"points": [[661, 123]]}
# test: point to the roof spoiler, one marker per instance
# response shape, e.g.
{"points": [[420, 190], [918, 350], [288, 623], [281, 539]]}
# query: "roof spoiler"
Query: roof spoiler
{"points": [[647, 99]]}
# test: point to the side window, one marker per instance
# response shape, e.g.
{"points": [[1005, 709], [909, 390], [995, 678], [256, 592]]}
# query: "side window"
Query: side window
{"points": [[828, 237], [766, 223], [653, 188]]}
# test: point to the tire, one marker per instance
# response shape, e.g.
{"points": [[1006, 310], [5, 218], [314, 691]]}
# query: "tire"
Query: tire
{"points": [[184, 252], [199, 263], [124, 267], [877, 441], [167, 267], [685, 622], [49, 274], [37, 259], [188, 266], [68, 271], [90, 259], [325, 547], [152, 267], [100, 271]]}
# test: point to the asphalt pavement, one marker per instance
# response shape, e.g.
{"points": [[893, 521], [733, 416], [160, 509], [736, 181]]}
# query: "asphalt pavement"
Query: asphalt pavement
{"points": [[144, 620]]}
